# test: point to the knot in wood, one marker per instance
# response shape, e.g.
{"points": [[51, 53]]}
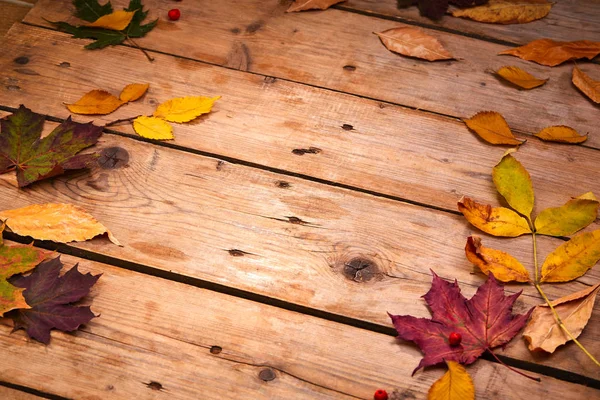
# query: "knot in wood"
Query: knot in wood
{"points": [[360, 269], [266, 374], [113, 157]]}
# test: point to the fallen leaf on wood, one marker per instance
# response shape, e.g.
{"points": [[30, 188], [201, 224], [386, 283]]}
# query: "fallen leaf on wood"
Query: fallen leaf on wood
{"points": [[573, 216], [551, 53], [497, 221], [513, 182], [133, 91], [16, 259], [22, 149], [543, 333], [153, 128], [184, 109], [502, 265], [587, 85], [520, 78], [485, 321], [116, 21], [561, 134], [50, 297], [573, 258], [302, 5], [455, 384], [492, 127], [506, 11], [95, 102], [414, 42], [61, 223]]}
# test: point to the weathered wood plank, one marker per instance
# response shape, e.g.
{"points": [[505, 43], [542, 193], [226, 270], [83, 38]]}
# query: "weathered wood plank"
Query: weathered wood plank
{"points": [[10, 13], [314, 48], [12, 394], [200, 344], [409, 154], [568, 20]]}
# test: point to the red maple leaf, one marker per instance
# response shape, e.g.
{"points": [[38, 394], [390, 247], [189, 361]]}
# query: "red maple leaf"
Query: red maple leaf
{"points": [[485, 321]]}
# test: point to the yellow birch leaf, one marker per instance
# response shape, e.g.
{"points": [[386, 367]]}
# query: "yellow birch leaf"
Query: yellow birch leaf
{"points": [[573, 258], [519, 77], [574, 215], [506, 11], [497, 221], [153, 128], [133, 91], [514, 184], [587, 85], [492, 128], [116, 21], [561, 134], [543, 333], [505, 267], [184, 109], [95, 102], [414, 42], [61, 223], [455, 384]]}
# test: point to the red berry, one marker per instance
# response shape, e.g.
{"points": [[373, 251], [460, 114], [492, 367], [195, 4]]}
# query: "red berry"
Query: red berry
{"points": [[454, 339], [174, 14], [380, 394]]}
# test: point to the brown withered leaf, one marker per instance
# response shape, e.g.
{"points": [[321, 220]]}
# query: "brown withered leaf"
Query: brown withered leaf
{"points": [[520, 78], [506, 11], [414, 42], [302, 5], [561, 134], [502, 265], [492, 127], [587, 85], [574, 310], [552, 53]]}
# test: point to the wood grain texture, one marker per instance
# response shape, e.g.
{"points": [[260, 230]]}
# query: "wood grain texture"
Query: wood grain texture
{"points": [[10, 13], [7, 393], [314, 48], [198, 344], [399, 152]]}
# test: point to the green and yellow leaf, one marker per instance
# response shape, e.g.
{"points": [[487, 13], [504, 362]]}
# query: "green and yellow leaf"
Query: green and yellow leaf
{"points": [[497, 221], [574, 215], [514, 184]]}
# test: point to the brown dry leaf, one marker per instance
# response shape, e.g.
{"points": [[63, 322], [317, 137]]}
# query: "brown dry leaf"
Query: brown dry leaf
{"points": [[551, 53], [116, 21], [492, 127], [414, 42], [587, 85], [133, 91], [61, 223], [575, 310], [519, 77], [95, 102], [505, 267], [560, 133], [302, 5], [506, 11]]}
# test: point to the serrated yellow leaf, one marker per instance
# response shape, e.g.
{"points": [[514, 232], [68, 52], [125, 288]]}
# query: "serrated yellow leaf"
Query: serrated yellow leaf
{"points": [[519, 77], [506, 11], [153, 128], [455, 384], [95, 102], [514, 184], [184, 109], [562, 134], [497, 221], [116, 21], [574, 215], [573, 258], [133, 91], [492, 128], [505, 267]]}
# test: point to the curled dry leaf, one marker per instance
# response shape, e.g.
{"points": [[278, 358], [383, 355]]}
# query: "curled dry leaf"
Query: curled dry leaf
{"points": [[184, 109], [497, 221], [514, 184], [455, 384], [116, 21], [543, 333], [414, 42], [502, 265], [95, 102], [153, 128], [551, 53], [61, 223], [492, 127], [506, 11], [133, 91], [302, 5], [520, 78], [573, 258], [561, 134], [587, 85], [573, 216]]}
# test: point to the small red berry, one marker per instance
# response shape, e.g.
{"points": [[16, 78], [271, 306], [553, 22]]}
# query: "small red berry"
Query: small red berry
{"points": [[174, 14], [380, 394], [454, 339]]}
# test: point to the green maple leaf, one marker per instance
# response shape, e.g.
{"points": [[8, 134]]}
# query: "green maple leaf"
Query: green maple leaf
{"points": [[91, 10], [21, 147]]}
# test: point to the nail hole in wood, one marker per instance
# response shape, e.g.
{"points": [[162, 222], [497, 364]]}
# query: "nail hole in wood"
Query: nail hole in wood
{"points": [[266, 374], [237, 253], [283, 184], [64, 64], [349, 68], [21, 60], [216, 349], [310, 150], [347, 127], [154, 385]]}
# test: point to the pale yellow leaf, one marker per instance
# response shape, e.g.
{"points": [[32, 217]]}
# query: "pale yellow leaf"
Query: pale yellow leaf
{"points": [[153, 128], [519, 77], [302, 5], [573, 216], [543, 333], [505, 267], [492, 127], [455, 384], [61, 223], [561, 134], [116, 21], [587, 85], [414, 42], [497, 221], [514, 184], [184, 109], [506, 11], [95, 102], [133, 91]]}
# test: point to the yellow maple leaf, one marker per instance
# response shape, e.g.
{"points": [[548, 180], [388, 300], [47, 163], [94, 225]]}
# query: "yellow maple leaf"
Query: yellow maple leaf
{"points": [[519, 77], [133, 91], [116, 21], [561, 134], [95, 102], [184, 109], [506, 11], [456, 384], [153, 128]]}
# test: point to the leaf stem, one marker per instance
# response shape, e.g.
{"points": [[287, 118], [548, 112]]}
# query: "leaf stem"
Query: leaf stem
{"points": [[536, 277], [118, 121], [139, 48], [511, 368]]}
